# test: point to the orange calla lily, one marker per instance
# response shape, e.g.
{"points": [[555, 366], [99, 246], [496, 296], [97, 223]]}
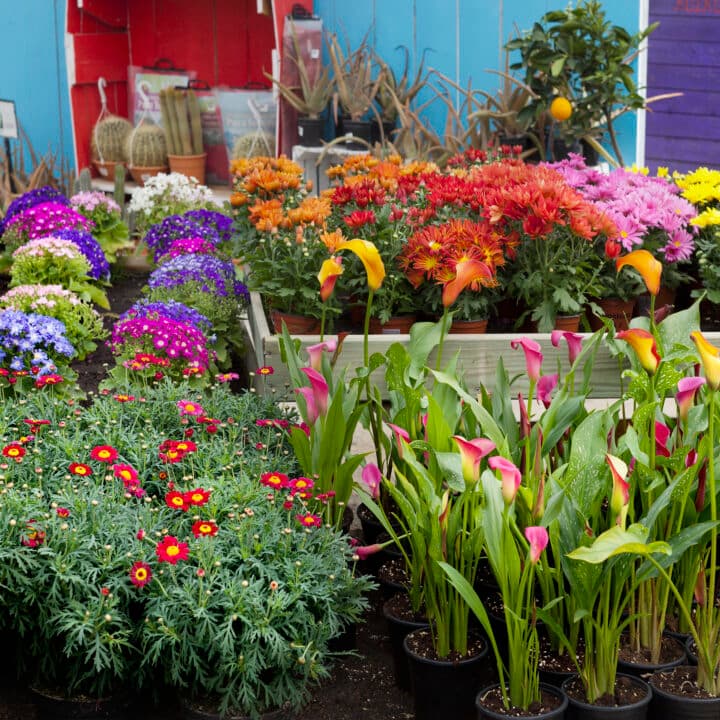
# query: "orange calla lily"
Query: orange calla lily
{"points": [[643, 343], [710, 357], [327, 277], [466, 272], [370, 257], [649, 268]]}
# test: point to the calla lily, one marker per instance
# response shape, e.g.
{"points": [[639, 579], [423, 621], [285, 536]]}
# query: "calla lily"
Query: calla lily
{"points": [[370, 258], [573, 340], [643, 343], [533, 356], [524, 418], [471, 453], [399, 434], [371, 478], [315, 353], [466, 272], [316, 396], [621, 489], [538, 538], [645, 263], [662, 435], [710, 357], [365, 551], [546, 385], [685, 396], [330, 271], [509, 476]]}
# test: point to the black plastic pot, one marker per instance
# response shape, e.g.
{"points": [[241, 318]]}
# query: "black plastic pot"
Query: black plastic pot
{"points": [[197, 711], [50, 706], [443, 689], [309, 131], [387, 130], [355, 130], [645, 669], [556, 713], [581, 710], [398, 628], [667, 706]]}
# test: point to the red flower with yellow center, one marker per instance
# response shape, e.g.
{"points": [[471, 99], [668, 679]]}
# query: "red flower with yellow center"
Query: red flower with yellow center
{"points": [[204, 528], [198, 496], [124, 398], [309, 520], [140, 574], [104, 453], [177, 500], [62, 512], [80, 469], [188, 407], [171, 550], [32, 536], [126, 473], [301, 485], [275, 480], [265, 370], [14, 451]]}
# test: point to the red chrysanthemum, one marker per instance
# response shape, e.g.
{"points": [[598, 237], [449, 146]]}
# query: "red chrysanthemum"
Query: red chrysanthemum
{"points": [[171, 550], [62, 512], [80, 469], [127, 473], [140, 574], [275, 480], [204, 528], [309, 520], [177, 500], [124, 398], [188, 407], [301, 485], [265, 370], [198, 496], [32, 536], [104, 453], [14, 451]]}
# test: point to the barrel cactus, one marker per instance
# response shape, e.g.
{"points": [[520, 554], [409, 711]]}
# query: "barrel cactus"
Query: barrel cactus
{"points": [[146, 146], [109, 139]]}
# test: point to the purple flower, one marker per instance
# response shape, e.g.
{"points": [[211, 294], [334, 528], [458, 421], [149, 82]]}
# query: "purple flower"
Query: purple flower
{"points": [[30, 340], [211, 218], [169, 309], [211, 274], [188, 246], [30, 199], [174, 227], [91, 249]]}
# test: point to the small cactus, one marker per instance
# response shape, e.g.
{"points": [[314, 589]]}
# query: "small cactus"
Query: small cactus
{"points": [[109, 138], [146, 146], [254, 144]]}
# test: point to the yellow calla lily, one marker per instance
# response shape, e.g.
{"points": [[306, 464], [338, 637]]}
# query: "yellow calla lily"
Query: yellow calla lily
{"points": [[370, 258], [710, 357], [643, 343], [645, 263], [330, 270]]}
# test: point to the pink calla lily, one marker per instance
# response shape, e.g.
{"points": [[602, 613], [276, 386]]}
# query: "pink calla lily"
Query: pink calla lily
{"points": [[371, 478], [538, 538], [533, 356], [685, 397], [573, 340], [546, 385], [315, 352], [471, 453], [509, 476], [662, 435], [399, 434], [316, 396]]}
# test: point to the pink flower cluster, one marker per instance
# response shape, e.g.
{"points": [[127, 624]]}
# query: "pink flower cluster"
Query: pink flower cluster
{"points": [[44, 246], [91, 200], [45, 218]]}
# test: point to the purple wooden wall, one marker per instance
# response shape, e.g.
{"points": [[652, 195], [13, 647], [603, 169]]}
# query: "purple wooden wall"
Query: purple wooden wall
{"points": [[684, 56]]}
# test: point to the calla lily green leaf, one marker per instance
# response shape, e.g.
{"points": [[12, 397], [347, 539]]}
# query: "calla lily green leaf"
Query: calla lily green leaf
{"points": [[617, 541]]}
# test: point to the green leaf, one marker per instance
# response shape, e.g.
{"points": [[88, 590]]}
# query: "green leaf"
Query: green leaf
{"points": [[451, 466], [557, 67], [617, 541]]}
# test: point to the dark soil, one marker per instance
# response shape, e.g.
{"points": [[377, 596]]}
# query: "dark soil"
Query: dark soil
{"points": [[492, 700], [627, 692], [671, 650], [680, 681]]}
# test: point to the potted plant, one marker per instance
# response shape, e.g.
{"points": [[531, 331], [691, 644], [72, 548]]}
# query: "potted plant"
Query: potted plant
{"points": [[181, 120], [579, 56], [310, 97]]}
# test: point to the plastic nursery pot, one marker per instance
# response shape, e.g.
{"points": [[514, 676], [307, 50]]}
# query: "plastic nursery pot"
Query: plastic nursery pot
{"points": [[554, 705], [669, 705], [400, 622], [309, 131], [197, 710], [580, 709], [675, 653], [50, 706], [444, 689]]}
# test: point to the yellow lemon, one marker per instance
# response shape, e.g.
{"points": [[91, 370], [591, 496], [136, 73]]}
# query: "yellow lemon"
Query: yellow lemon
{"points": [[560, 109]]}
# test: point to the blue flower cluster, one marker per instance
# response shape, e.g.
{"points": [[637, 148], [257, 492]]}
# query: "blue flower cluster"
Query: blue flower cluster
{"points": [[159, 237], [90, 248], [30, 340], [170, 309], [211, 218], [30, 199], [212, 274]]}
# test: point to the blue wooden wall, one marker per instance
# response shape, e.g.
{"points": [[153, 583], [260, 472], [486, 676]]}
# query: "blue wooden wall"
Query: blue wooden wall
{"points": [[462, 39], [32, 56]]}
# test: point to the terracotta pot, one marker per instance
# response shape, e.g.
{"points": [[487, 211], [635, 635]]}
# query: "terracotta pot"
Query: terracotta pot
{"points": [[141, 174], [189, 165], [619, 311], [394, 326], [106, 170], [666, 296], [567, 323], [296, 324], [469, 327]]}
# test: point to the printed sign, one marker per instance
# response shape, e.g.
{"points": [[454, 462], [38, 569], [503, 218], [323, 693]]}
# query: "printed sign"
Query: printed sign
{"points": [[8, 120]]}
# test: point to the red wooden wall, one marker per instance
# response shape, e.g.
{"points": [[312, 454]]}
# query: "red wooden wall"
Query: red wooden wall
{"points": [[226, 42], [683, 56]]}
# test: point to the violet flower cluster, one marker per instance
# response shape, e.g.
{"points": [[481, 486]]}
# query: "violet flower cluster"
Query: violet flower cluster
{"points": [[91, 249], [211, 218], [189, 246], [175, 340], [30, 199], [212, 275], [160, 236], [171, 309], [44, 219], [644, 209], [30, 340]]}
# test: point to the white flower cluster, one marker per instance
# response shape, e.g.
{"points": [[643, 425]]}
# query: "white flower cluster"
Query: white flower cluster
{"points": [[167, 191]]}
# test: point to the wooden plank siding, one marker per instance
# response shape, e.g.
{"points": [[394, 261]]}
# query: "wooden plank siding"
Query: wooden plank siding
{"points": [[684, 56]]}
